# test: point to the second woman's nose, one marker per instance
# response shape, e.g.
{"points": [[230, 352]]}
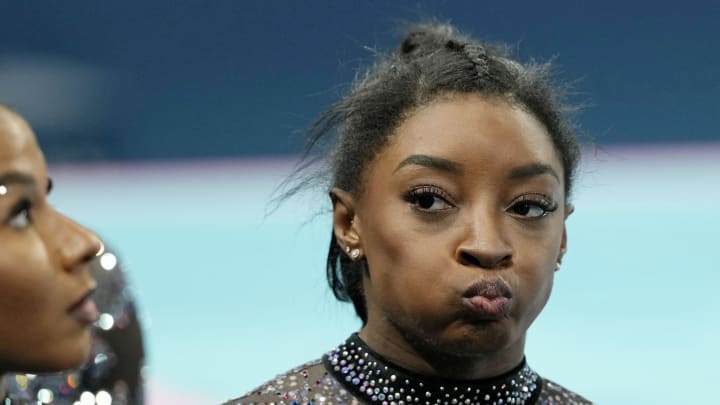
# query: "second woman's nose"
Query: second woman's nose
{"points": [[78, 244]]}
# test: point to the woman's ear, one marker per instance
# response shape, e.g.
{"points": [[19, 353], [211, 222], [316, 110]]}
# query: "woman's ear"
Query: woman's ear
{"points": [[345, 227], [569, 209]]}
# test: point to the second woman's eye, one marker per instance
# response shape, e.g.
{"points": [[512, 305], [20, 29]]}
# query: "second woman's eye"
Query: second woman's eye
{"points": [[428, 198], [20, 216]]}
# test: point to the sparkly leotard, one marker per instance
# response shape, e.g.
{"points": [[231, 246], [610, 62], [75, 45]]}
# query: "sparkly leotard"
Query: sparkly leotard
{"points": [[353, 374]]}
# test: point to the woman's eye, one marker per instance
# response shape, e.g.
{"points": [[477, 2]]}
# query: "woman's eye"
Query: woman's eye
{"points": [[20, 219], [428, 200], [532, 209], [529, 210]]}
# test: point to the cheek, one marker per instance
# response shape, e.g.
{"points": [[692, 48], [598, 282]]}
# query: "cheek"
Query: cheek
{"points": [[391, 258], [35, 333], [405, 267], [536, 272], [27, 280], [535, 292]]}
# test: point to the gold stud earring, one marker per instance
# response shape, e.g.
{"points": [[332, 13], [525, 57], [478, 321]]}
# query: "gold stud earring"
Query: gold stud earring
{"points": [[347, 249], [557, 266], [354, 254]]}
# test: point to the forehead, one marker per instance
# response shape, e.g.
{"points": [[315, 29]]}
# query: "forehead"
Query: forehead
{"points": [[18, 148], [476, 131]]}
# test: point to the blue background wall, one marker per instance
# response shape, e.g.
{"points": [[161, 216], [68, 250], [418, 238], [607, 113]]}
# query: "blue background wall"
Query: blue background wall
{"points": [[183, 79], [168, 125]]}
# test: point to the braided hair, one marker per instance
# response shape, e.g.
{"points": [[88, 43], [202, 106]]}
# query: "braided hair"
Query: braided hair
{"points": [[432, 61]]}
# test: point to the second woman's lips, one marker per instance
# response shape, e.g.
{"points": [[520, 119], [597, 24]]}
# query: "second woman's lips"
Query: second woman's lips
{"points": [[488, 299], [84, 310]]}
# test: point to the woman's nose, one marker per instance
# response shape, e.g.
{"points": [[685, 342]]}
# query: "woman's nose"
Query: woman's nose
{"points": [[79, 245], [484, 245]]}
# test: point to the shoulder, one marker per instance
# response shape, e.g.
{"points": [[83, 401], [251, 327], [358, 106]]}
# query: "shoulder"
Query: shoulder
{"points": [[553, 393], [308, 383]]}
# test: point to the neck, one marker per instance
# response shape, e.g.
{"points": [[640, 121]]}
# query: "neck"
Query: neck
{"points": [[426, 357], [373, 379]]}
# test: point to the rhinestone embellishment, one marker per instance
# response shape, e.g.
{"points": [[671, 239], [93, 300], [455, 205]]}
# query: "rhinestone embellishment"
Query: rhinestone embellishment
{"points": [[375, 381]]}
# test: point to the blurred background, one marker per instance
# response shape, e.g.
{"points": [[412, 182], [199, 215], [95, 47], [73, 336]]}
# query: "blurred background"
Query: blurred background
{"points": [[169, 124]]}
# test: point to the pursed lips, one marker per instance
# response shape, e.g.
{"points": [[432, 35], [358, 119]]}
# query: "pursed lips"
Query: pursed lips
{"points": [[488, 299]]}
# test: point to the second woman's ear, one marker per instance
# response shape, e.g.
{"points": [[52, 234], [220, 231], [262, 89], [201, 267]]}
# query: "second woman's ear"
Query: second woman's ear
{"points": [[345, 226]]}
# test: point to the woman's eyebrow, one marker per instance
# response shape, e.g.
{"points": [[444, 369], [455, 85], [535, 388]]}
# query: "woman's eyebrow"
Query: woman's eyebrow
{"points": [[14, 177], [432, 162], [531, 170]]}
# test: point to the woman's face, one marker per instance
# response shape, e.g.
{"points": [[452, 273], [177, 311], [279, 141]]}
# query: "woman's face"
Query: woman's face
{"points": [[44, 310], [462, 223]]}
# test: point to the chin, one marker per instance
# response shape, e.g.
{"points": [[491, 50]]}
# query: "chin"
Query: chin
{"points": [[46, 365], [48, 355], [59, 357], [477, 339], [71, 354]]}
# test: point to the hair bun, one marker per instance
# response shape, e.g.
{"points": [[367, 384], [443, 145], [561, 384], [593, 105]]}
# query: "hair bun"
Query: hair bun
{"points": [[424, 39]]}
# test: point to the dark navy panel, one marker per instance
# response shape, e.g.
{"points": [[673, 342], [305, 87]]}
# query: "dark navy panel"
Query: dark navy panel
{"points": [[196, 79]]}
